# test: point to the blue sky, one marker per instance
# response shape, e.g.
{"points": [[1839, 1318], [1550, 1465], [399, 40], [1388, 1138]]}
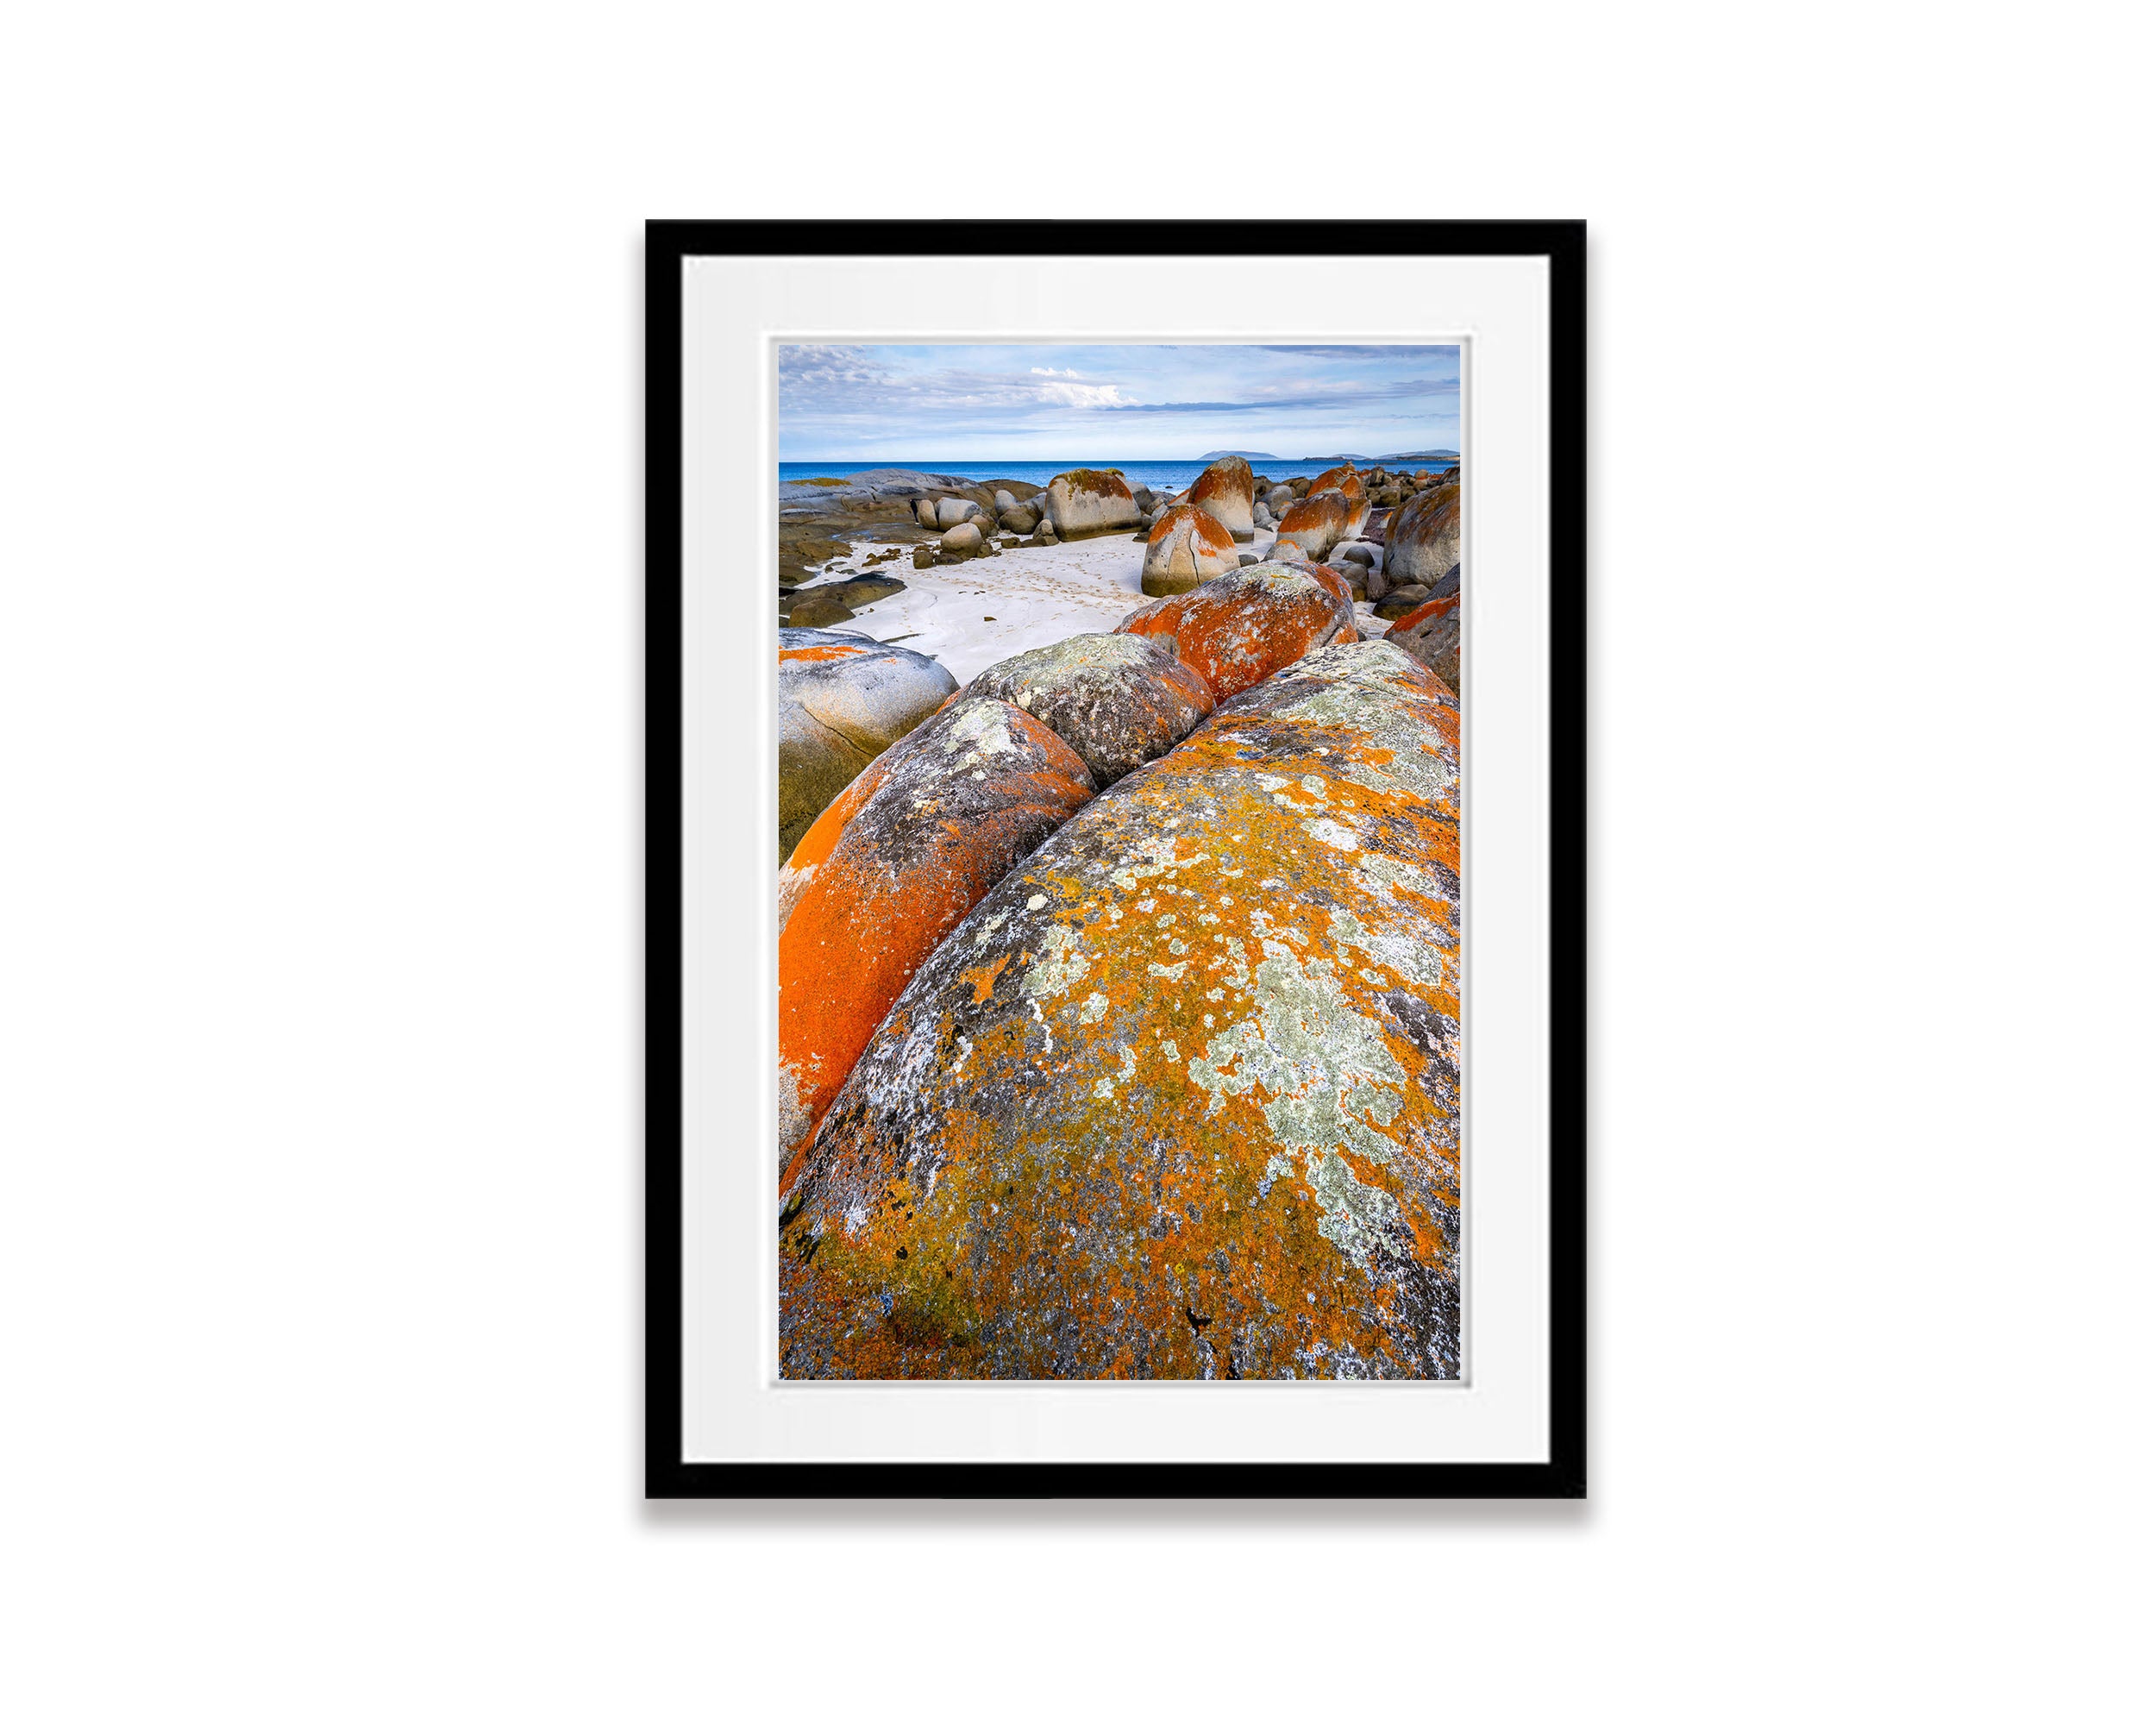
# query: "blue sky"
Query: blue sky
{"points": [[940, 404]]}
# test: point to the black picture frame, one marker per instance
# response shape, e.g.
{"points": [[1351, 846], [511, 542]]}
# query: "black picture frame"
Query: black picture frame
{"points": [[669, 245]]}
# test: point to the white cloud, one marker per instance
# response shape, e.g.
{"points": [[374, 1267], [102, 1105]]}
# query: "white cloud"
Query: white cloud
{"points": [[1082, 395]]}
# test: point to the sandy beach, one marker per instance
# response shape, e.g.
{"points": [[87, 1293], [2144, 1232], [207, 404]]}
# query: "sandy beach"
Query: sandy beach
{"points": [[972, 615]]}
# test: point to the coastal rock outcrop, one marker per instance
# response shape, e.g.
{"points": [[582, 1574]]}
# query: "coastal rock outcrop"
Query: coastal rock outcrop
{"points": [[1226, 492], [1089, 500], [1186, 547], [1430, 633], [1239, 629], [817, 609], [901, 854], [842, 700], [1422, 537], [1179, 1098], [1317, 522], [1119, 700]]}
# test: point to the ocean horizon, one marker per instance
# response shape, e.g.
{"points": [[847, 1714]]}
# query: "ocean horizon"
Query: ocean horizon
{"points": [[1173, 475]]}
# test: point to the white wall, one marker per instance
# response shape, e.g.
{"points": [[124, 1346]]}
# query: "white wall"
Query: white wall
{"points": [[319, 544]]}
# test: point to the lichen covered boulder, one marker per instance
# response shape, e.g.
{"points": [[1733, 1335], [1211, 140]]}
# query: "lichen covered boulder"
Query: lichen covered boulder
{"points": [[842, 700], [1422, 538], [888, 871], [1317, 523], [1345, 480], [1119, 700], [1089, 500], [1180, 1097], [1431, 633], [1226, 492], [1186, 548], [1240, 629]]}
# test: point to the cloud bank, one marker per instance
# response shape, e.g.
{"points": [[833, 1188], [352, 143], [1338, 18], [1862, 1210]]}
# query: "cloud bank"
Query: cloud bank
{"points": [[932, 402]]}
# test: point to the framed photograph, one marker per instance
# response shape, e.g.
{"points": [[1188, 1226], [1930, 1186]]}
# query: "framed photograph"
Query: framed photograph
{"points": [[1116, 920]]}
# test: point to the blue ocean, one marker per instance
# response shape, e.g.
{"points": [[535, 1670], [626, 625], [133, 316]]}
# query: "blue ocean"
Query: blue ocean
{"points": [[1160, 475]]}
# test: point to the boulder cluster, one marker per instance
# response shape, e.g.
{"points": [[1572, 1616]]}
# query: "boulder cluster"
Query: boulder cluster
{"points": [[1119, 993], [1393, 536]]}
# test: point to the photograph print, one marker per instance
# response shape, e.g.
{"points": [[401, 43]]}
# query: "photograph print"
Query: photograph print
{"points": [[1119, 957]]}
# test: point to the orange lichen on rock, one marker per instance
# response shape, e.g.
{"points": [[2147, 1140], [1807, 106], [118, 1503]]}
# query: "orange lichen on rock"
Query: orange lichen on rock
{"points": [[1317, 523], [1342, 479], [1329, 579], [1431, 634], [1227, 491], [887, 869], [1239, 629], [1186, 547], [1204, 1120], [1345, 480]]}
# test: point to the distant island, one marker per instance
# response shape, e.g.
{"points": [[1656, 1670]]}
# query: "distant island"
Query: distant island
{"points": [[1397, 455], [1247, 455]]}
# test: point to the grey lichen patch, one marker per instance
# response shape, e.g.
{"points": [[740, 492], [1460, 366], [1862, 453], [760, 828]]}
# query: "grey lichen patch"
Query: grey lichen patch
{"points": [[1104, 1090], [1043, 667], [1061, 965], [1155, 856], [1407, 954], [1357, 1215], [979, 731], [1322, 1066]]}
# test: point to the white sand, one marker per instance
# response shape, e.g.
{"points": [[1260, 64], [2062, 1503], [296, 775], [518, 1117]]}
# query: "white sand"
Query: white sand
{"points": [[970, 616]]}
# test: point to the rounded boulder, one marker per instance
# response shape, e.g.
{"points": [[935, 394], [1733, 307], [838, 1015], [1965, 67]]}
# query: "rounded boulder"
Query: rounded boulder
{"points": [[842, 700], [963, 541], [1318, 523], [817, 611], [1345, 480], [1226, 492], [1089, 500], [1422, 537], [1119, 700], [950, 511], [1239, 629], [1179, 1098], [1186, 547], [890, 867], [1431, 634]]}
